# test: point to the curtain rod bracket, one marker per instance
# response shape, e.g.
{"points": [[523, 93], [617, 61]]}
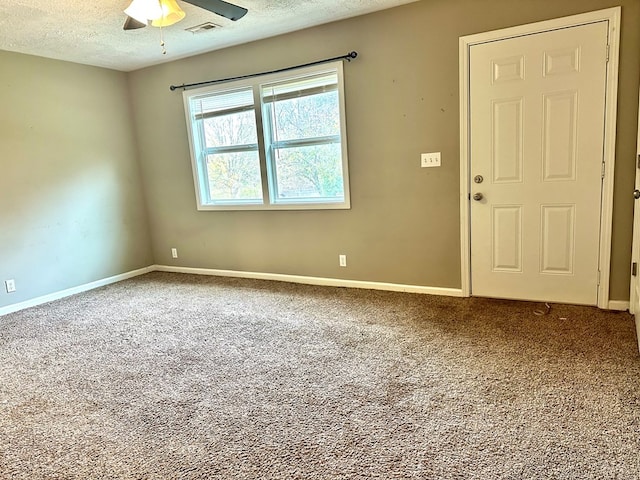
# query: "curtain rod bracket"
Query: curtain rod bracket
{"points": [[348, 57]]}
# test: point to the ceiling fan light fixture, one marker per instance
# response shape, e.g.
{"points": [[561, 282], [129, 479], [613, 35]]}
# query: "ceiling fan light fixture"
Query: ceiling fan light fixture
{"points": [[144, 10], [162, 13], [171, 13]]}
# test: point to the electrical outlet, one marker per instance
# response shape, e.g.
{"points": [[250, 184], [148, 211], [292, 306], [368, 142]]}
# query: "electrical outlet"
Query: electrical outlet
{"points": [[430, 159], [174, 253], [343, 260], [10, 285]]}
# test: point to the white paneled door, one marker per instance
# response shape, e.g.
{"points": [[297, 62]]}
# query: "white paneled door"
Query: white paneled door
{"points": [[537, 113]]}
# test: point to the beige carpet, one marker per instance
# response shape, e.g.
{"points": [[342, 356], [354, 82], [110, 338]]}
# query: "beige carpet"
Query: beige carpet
{"points": [[171, 376]]}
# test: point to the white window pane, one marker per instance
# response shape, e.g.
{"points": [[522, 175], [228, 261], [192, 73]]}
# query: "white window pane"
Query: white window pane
{"points": [[311, 172], [229, 130], [294, 138], [306, 117], [234, 176]]}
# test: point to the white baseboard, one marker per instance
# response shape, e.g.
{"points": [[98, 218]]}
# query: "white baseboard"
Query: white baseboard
{"points": [[15, 307], [329, 282], [332, 282], [618, 305], [621, 305]]}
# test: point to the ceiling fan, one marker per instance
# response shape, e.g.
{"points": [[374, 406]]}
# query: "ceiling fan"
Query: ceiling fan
{"points": [[162, 13]]}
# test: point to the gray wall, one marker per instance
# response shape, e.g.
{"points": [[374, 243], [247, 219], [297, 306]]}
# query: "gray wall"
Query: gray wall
{"points": [[402, 99], [71, 195], [71, 205]]}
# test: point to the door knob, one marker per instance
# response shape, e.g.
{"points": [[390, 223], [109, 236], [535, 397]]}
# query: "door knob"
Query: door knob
{"points": [[478, 196], [636, 194]]}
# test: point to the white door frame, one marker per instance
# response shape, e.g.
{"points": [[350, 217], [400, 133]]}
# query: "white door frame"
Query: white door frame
{"points": [[612, 15], [633, 301], [635, 247]]}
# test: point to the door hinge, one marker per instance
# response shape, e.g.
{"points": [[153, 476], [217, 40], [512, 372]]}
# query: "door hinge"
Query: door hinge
{"points": [[598, 277], [608, 50], [602, 170], [634, 268]]}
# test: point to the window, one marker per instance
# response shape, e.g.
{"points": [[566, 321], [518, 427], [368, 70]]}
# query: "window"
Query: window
{"points": [[273, 142]]}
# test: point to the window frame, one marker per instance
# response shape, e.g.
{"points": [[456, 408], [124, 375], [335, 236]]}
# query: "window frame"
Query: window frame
{"points": [[199, 151]]}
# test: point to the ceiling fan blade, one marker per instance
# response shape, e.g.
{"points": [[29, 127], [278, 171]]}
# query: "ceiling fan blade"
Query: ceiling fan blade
{"points": [[219, 7], [132, 24]]}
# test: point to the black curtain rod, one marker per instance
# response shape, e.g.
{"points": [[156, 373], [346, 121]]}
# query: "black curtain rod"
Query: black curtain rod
{"points": [[348, 57]]}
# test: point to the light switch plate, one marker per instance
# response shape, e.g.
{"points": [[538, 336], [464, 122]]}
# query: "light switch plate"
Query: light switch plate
{"points": [[430, 159]]}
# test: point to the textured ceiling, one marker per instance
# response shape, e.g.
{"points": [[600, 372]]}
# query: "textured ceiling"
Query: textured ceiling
{"points": [[90, 31]]}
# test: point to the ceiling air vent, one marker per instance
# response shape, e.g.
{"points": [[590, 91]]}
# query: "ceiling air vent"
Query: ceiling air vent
{"points": [[203, 27]]}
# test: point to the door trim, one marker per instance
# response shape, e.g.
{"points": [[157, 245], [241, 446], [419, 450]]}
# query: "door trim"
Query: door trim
{"points": [[612, 16], [633, 301]]}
